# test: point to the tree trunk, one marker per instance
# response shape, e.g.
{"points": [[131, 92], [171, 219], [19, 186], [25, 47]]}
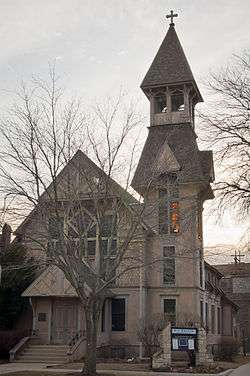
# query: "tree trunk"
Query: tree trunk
{"points": [[91, 317]]}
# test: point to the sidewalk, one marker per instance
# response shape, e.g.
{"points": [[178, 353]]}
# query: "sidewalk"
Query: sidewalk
{"points": [[15, 367]]}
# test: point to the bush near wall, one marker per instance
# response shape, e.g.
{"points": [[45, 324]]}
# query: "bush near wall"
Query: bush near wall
{"points": [[227, 349], [8, 339]]}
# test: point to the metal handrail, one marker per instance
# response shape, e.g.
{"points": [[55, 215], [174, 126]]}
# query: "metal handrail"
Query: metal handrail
{"points": [[78, 335]]}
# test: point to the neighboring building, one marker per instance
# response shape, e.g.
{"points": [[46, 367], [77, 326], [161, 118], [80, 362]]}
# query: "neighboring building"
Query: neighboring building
{"points": [[173, 176], [236, 284], [218, 311]]}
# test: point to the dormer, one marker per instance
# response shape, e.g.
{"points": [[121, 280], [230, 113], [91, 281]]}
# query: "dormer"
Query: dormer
{"points": [[170, 85]]}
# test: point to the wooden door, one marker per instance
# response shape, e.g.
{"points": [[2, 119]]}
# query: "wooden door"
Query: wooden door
{"points": [[64, 322]]}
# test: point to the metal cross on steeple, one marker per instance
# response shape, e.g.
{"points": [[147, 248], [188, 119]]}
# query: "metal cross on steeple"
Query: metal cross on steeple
{"points": [[171, 16]]}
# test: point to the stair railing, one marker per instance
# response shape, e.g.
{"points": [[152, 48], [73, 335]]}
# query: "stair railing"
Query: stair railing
{"points": [[76, 337], [77, 346]]}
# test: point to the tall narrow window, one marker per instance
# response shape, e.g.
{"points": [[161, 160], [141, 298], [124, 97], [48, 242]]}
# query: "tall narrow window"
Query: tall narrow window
{"points": [[169, 218], [174, 217], [118, 314], [212, 319], [201, 312], [81, 225], [55, 230], [207, 318], [201, 273], [103, 316], [169, 265], [219, 320], [163, 211], [169, 307]]}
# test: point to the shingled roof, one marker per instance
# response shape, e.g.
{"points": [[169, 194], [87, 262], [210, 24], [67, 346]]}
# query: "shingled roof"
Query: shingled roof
{"points": [[181, 139], [170, 65], [228, 270]]}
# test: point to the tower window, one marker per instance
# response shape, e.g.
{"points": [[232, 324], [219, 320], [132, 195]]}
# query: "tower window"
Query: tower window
{"points": [[169, 218], [169, 307], [174, 217], [169, 265], [177, 102], [160, 104]]}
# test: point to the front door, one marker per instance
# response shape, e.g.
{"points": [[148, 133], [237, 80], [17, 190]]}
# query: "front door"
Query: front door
{"points": [[64, 321]]}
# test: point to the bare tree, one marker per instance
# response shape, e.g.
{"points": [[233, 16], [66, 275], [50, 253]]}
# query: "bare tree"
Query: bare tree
{"points": [[148, 332], [77, 209], [226, 126]]}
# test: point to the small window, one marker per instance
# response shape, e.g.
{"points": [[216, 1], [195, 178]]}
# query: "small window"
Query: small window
{"points": [[118, 314], [41, 316], [170, 310], [177, 102]]}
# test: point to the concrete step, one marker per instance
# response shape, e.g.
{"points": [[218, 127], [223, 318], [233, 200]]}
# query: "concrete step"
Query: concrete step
{"points": [[179, 363], [44, 351], [48, 355], [42, 359], [43, 354], [28, 360], [49, 347]]}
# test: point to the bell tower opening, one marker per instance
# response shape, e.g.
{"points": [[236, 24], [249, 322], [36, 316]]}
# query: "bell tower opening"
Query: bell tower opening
{"points": [[160, 104], [177, 101], [170, 85]]}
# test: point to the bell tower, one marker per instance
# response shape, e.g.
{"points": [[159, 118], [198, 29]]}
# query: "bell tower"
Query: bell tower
{"points": [[169, 83], [173, 176]]}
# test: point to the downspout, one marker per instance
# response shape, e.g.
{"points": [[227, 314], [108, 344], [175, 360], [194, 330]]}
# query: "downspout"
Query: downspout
{"points": [[142, 296]]}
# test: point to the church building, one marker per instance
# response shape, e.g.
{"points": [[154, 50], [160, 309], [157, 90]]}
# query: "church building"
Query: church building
{"points": [[174, 179]]}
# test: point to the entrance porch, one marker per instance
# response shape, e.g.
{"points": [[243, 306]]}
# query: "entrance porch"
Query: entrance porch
{"points": [[56, 321]]}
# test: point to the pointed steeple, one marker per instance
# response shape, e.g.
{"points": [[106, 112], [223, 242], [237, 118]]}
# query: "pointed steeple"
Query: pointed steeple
{"points": [[170, 65]]}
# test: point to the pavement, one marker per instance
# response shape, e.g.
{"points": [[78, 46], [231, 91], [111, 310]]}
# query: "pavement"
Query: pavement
{"points": [[241, 371], [15, 367]]}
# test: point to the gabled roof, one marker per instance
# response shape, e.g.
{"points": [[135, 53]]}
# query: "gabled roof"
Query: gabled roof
{"points": [[81, 160], [170, 65], [51, 282]]}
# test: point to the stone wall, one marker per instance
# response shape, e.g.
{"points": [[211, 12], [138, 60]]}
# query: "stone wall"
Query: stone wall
{"points": [[162, 359]]}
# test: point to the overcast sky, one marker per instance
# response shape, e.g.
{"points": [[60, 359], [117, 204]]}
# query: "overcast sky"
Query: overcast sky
{"points": [[101, 45]]}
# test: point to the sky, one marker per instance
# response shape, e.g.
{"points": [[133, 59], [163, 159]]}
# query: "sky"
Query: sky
{"points": [[102, 45]]}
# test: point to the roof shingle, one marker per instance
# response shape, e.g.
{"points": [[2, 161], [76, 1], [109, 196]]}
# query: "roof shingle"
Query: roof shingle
{"points": [[181, 139], [170, 65]]}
